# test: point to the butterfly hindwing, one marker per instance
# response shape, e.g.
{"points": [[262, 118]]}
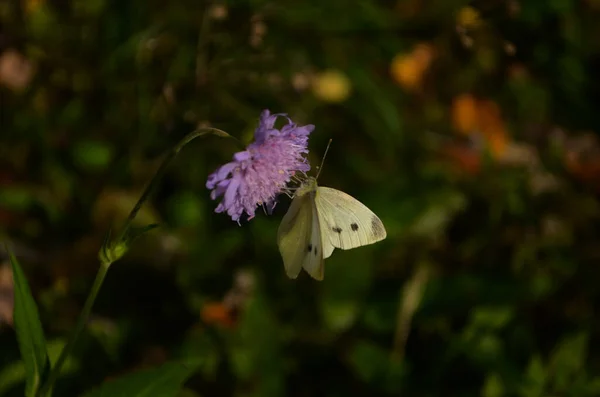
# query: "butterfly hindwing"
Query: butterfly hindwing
{"points": [[293, 235], [313, 261], [299, 238], [345, 222]]}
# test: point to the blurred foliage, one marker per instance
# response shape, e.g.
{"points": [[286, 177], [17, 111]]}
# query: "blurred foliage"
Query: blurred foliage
{"points": [[470, 128]]}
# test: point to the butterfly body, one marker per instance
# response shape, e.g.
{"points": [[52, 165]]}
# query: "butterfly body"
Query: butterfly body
{"points": [[319, 220]]}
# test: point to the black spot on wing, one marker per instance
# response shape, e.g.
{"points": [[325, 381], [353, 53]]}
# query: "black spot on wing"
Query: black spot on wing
{"points": [[337, 229], [315, 250], [377, 226], [354, 226], [310, 247]]}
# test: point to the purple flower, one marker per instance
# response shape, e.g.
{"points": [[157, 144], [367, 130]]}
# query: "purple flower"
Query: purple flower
{"points": [[257, 175]]}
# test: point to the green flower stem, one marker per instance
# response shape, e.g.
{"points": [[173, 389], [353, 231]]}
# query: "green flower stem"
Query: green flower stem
{"points": [[161, 171], [83, 316], [113, 250]]}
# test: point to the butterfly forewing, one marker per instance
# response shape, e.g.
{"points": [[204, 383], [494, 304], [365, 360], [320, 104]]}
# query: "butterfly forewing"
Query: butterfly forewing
{"points": [[345, 222]]}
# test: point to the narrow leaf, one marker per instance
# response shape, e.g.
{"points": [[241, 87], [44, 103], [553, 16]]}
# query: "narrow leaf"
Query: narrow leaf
{"points": [[136, 232], [30, 335], [164, 381]]}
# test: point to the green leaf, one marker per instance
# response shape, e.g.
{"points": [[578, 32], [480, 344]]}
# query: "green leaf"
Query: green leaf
{"points": [[14, 373], [135, 232], [92, 156], [255, 351], [11, 375], [593, 387], [492, 318], [568, 359], [164, 381], [55, 347], [345, 286], [369, 361], [30, 335], [493, 386], [535, 379]]}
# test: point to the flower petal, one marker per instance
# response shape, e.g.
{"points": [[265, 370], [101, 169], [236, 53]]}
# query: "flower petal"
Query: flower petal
{"points": [[305, 130], [219, 189], [220, 174], [242, 156], [229, 198]]}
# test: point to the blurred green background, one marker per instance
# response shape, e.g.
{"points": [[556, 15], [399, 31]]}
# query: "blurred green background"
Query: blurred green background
{"points": [[470, 128]]}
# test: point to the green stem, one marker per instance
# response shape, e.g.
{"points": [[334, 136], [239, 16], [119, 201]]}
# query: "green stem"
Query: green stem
{"points": [[161, 171], [107, 260], [83, 316]]}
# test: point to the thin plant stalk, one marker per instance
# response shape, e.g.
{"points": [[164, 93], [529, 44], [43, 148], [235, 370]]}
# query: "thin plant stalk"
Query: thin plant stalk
{"points": [[113, 250]]}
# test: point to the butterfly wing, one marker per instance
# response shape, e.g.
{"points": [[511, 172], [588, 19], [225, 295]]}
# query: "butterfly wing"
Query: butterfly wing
{"points": [[345, 222], [299, 238], [313, 262]]}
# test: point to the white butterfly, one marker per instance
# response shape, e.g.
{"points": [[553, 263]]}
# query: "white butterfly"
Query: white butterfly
{"points": [[319, 220]]}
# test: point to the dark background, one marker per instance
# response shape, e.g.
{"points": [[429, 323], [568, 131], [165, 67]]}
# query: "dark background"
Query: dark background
{"points": [[470, 128]]}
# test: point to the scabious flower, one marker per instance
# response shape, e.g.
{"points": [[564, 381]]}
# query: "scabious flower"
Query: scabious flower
{"points": [[258, 174]]}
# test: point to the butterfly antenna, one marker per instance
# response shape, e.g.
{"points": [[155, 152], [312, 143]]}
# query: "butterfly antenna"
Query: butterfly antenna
{"points": [[323, 159]]}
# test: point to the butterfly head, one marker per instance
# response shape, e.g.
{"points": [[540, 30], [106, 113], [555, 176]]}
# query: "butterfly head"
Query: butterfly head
{"points": [[308, 185]]}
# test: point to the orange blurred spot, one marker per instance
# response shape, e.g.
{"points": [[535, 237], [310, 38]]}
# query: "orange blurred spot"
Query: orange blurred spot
{"points": [[468, 18], [408, 69], [423, 53], [217, 313], [472, 116], [489, 114], [464, 114], [492, 127], [497, 142], [405, 70]]}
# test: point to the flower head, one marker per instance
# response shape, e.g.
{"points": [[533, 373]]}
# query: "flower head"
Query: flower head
{"points": [[257, 175]]}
